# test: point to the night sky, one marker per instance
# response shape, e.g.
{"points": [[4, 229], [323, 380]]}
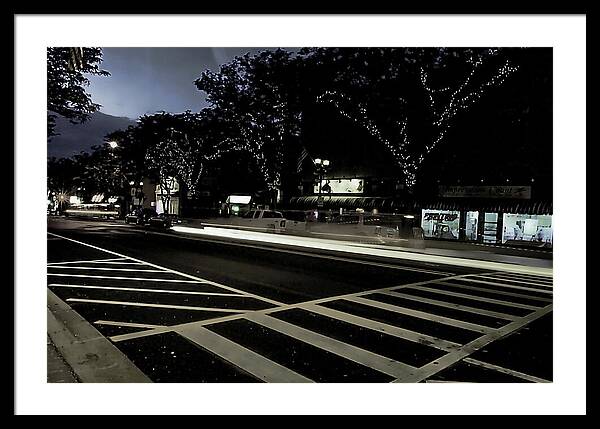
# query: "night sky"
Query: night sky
{"points": [[147, 80]]}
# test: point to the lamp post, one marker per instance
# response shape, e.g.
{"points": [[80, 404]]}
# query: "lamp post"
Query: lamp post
{"points": [[321, 165]]}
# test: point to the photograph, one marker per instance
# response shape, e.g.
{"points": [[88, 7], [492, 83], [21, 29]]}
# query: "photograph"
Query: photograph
{"points": [[308, 214]]}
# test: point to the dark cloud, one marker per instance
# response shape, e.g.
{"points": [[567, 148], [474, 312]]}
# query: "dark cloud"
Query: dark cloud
{"points": [[147, 80]]}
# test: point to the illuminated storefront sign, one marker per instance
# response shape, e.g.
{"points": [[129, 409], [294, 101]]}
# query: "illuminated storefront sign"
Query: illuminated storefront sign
{"points": [[239, 199], [340, 186], [440, 223], [520, 192]]}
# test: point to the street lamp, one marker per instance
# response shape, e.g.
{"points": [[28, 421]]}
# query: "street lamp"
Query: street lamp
{"points": [[113, 144], [322, 165]]}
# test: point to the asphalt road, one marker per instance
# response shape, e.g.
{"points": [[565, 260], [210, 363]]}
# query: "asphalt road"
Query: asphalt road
{"points": [[197, 309]]}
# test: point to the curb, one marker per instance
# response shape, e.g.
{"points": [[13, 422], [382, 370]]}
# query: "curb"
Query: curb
{"points": [[92, 357]]}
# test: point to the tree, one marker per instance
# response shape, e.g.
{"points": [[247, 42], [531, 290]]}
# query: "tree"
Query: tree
{"points": [[256, 96], [406, 98], [66, 82]]}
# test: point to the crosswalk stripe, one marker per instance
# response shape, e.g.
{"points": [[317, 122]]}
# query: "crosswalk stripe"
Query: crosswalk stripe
{"points": [[527, 282], [126, 324], [395, 331], [146, 304], [128, 278], [245, 359], [505, 370], [87, 261], [526, 277], [451, 358], [476, 298], [495, 291], [347, 351], [470, 280], [453, 306], [422, 315], [178, 273], [108, 269], [133, 289]]}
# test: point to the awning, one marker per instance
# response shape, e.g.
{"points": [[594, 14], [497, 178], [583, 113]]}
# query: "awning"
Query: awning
{"points": [[410, 205]]}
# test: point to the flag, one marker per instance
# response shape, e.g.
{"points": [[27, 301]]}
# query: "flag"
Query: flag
{"points": [[301, 159]]}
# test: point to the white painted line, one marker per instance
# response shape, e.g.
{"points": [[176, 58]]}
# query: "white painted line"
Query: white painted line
{"points": [[133, 289], [146, 279], [126, 324], [86, 261], [473, 280], [495, 291], [251, 362], [422, 315], [145, 304], [107, 269], [364, 357], [395, 331], [506, 370], [409, 335], [451, 358], [476, 298], [545, 278], [197, 279], [118, 263], [510, 279], [453, 306]]}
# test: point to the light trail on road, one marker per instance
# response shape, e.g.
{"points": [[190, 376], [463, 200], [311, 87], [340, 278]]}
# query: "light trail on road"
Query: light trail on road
{"points": [[359, 249]]}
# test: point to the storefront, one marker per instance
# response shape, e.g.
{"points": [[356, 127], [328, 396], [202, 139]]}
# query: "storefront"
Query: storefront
{"points": [[487, 220], [167, 197]]}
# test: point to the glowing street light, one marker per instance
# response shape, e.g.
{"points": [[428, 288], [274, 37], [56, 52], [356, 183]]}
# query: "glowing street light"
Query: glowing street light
{"points": [[113, 144]]}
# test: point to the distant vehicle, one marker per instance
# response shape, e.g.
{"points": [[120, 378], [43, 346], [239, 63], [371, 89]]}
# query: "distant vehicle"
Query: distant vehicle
{"points": [[140, 216], [94, 210], [164, 221], [262, 219]]}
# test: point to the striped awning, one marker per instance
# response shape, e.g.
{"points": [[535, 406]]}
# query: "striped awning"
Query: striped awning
{"points": [[411, 205]]}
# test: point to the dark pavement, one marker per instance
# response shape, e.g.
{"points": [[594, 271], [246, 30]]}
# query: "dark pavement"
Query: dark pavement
{"points": [[191, 309]]}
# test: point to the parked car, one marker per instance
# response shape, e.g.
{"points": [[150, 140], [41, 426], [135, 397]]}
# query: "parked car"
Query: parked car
{"points": [[140, 216], [164, 220], [270, 220]]}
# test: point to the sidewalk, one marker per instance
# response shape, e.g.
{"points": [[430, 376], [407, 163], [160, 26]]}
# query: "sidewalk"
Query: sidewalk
{"points": [[77, 352], [58, 371]]}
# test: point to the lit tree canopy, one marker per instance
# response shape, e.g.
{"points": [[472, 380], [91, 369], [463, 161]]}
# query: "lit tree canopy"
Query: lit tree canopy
{"points": [[257, 97], [406, 98]]}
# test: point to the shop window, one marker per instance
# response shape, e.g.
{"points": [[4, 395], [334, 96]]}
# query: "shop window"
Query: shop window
{"points": [[520, 227], [490, 228], [471, 226], [440, 223]]}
